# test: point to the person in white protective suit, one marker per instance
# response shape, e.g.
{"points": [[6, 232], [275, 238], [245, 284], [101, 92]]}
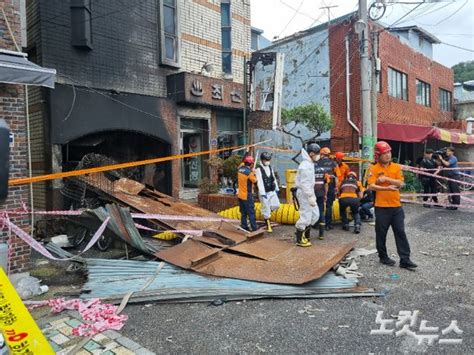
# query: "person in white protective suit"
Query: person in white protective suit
{"points": [[267, 188], [308, 208]]}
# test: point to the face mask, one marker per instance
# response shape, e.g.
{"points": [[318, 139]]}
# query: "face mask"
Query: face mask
{"points": [[316, 157], [266, 163]]}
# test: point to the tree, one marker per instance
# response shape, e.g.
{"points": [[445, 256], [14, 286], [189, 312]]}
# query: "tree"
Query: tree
{"points": [[463, 71], [313, 116]]}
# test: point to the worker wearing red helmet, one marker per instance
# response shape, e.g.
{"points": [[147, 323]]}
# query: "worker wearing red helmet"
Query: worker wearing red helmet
{"points": [[350, 193], [246, 178], [386, 178], [330, 167], [342, 169]]}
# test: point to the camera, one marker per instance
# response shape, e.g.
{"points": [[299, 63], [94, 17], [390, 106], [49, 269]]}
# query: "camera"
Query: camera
{"points": [[441, 153]]}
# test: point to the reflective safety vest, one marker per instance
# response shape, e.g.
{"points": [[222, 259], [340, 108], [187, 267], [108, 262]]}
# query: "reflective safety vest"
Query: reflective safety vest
{"points": [[350, 188]]}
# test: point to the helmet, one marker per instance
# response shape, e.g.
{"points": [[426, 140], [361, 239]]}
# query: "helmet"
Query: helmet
{"points": [[380, 148], [339, 155], [352, 174], [313, 148], [249, 160], [266, 156], [325, 151]]}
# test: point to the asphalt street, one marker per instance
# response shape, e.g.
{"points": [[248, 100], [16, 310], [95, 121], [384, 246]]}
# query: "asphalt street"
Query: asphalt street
{"points": [[441, 290]]}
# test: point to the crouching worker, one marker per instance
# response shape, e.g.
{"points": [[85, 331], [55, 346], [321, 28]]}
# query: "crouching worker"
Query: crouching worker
{"points": [[350, 194], [246, 178], [267, 188], [304, 183]]}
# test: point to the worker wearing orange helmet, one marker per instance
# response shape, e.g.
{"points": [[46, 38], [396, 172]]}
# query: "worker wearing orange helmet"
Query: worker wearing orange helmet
{"points": [[342, 169], [246, 178], [330, 168], [350, 194], [386, 178]]}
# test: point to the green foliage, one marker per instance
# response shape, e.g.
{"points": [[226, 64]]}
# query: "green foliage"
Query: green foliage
{"points": [[312, 115], [230, 166], [463, 71], [412, 183], [207, 187]]}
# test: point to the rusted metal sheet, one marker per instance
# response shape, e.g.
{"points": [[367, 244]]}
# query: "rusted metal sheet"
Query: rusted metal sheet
{"points": [[225, 251], [279, 262], [128, 186]]}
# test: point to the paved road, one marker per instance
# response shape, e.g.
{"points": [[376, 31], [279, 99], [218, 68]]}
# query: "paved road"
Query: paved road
{"points": [[441, 290]]}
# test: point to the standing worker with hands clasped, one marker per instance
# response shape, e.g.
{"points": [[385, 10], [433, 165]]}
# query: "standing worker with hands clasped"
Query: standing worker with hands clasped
{"points": [[453, 186], [304, 184], [267, 188], [246, 178], [386, 178]]}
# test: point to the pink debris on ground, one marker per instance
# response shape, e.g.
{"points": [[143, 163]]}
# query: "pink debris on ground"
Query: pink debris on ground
{"points": [[99, 316]]}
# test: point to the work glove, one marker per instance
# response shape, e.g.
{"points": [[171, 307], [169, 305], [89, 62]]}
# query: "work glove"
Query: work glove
{"points": [[312, 201], [264, 196]]}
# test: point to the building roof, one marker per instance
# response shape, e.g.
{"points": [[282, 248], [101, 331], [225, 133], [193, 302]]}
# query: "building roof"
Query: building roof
{"points": [[428, 36], [464, 92], [318, 28]]}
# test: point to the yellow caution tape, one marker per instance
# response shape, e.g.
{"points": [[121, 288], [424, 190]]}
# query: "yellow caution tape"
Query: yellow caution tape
{"points": [[166, 236], [20, 331]]}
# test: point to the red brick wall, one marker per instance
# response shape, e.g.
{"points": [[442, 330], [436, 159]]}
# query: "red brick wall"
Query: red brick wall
{"points": [[392, 54], [402, 58], [12, 109], [343, 136]]}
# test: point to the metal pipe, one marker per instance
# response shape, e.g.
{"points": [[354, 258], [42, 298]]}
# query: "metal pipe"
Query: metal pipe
{"points": [[348, 91], [30, 168]]}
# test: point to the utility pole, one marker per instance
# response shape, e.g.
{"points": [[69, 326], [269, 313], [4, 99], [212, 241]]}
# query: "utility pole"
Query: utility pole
{"points": [[375, 81], [365, 70], [329, 12]]}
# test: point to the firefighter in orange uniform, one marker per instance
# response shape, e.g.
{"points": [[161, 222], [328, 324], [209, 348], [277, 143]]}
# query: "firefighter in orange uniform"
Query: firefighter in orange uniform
{"points": [[350, 193], [246, 178], [386, 179], [342, 169]]}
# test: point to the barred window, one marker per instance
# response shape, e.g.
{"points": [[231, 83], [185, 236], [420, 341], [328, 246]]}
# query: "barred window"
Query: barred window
{"points": [[397, 84], [423, 93], [445, 98]]}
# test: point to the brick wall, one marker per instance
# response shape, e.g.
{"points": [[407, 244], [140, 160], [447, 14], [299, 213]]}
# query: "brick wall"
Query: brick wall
{"points": [[343, 136], [12, 109], [393, 54]]}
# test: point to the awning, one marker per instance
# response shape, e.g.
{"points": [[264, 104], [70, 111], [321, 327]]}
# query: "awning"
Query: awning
{"points": [[416, 134], [16, 69]]}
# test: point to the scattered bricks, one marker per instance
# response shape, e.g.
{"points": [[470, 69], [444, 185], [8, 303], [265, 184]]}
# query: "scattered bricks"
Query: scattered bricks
{"points": [[66, 330], [83, 352], [73, 323], [59, 322], [55, 347], [92, 345], [128, 343], [112, 334], [65, 351], [143, 351], [101, 339], [59, 339], [123, 351]]}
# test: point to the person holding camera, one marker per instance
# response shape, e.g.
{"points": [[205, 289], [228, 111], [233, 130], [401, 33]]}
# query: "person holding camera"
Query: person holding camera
{"points": [[428, 182], [451, 162]]}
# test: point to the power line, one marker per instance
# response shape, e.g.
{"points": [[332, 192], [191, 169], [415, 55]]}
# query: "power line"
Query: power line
{"points": [[454, 13], [408, 13], [296, 10], [292, 18], [458, 47]]}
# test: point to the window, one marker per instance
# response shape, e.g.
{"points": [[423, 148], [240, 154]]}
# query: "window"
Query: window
{"points": [[445, 98], [423, 93], [226, 36], [397, 84], [81, 24], [169, 34]]}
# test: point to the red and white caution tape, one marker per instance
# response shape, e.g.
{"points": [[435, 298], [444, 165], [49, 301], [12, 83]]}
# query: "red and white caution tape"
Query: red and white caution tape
{"points": [[41, 249], [436, 204], [420, 172], [166, 217]]}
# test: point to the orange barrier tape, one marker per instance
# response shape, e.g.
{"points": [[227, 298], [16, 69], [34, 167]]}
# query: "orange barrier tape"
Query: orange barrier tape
{"points": [[25, 181], [277, 149]]}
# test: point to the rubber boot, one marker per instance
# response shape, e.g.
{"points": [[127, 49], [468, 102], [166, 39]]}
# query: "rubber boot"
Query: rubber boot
{"points": [[269, 226], [321, 231], [307, 234], [301, 241]]}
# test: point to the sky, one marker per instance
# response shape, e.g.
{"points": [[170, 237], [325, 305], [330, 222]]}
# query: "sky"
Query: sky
{"points": [[452, 21]]}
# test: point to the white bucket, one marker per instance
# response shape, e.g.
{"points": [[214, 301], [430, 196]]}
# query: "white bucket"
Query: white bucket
{"points": [[4, 256]]}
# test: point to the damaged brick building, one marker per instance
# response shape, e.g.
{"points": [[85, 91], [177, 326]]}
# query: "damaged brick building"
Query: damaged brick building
{"points": [[137, 80]]}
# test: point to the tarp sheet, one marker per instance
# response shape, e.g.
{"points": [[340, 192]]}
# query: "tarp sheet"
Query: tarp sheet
{"points": [[16, 69], [416, 134]]}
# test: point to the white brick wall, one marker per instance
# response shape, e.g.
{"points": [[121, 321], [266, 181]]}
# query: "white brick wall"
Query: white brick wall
{"points": [[203, 22]]}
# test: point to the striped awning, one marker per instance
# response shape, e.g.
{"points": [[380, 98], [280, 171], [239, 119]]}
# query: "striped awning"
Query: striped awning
{"points": [[415, 134]]}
